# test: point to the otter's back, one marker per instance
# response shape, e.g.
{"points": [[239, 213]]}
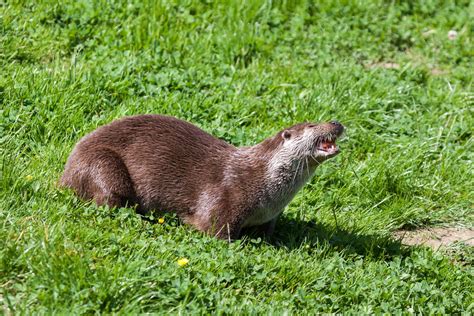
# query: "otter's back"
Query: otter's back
{"points": [[166, 158]]}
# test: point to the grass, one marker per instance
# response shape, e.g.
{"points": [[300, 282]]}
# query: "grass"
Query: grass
{"points": [[241, 70]]}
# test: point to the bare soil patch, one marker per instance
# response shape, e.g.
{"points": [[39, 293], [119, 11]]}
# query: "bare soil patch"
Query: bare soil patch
{"points": [[436, 237], [385, 65]]}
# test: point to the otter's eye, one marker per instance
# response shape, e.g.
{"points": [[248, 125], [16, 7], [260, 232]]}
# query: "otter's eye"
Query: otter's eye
{"points": [[286, 135]]}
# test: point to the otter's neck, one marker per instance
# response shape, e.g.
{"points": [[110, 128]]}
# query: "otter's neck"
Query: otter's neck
{"points": [[273, 171]]}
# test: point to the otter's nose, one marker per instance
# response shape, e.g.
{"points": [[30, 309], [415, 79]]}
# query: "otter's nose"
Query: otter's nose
{"points": [[337, 125]]}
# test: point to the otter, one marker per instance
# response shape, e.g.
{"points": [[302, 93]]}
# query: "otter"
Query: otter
{"points": [[157, 162]]}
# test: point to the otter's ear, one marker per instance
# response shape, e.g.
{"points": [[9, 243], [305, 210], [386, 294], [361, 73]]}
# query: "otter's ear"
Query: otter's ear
{"points": [[286, 135]]}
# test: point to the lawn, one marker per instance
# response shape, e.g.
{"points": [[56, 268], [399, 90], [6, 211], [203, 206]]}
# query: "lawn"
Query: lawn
{"points": [[397, 74]]}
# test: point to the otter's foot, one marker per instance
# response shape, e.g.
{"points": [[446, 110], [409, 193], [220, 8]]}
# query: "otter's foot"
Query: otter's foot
{"points": [[264, 230], [267, 229]]}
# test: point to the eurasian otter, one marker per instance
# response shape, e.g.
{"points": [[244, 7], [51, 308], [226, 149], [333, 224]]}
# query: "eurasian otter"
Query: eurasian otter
{"points": [[162, 163]]}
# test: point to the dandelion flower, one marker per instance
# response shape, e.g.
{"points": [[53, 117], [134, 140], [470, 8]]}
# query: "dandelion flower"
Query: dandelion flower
{"points": [[29, 177], [183, 262], [161, 220]]}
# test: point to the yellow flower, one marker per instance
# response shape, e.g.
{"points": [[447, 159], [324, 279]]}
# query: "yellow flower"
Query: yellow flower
{"points": [[161, 220], [183, 261], [29, 177]]}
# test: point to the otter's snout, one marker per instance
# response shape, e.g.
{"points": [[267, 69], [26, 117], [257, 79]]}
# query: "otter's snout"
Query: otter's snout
{"points": [[338, 126]]}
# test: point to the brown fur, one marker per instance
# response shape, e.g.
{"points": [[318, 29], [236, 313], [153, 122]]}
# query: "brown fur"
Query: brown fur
{"points": [[163, 163]]}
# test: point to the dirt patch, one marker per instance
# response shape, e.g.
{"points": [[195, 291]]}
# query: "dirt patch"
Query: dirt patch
{"points": [[436, 237], [438, 72], [385, 65]]}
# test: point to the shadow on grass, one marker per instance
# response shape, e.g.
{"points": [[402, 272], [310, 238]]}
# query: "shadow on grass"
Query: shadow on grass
{"points": [[293, 234]]}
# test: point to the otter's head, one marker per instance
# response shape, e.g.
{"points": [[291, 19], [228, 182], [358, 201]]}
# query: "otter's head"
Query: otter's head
{"points": [[311, 141]]}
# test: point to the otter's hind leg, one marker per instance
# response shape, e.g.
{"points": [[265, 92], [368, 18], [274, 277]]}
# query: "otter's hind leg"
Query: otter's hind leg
{"points": [[100, 175]]}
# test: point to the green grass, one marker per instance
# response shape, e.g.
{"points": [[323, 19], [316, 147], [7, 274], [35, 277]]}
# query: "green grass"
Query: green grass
{"points": [[241, 70]]}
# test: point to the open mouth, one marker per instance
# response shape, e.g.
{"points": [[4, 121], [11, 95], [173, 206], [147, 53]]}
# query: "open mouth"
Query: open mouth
{"points": [[328, 146]]}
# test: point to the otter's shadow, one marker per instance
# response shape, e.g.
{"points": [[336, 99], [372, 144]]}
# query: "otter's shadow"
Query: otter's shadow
{"points": [[293, 233]]}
